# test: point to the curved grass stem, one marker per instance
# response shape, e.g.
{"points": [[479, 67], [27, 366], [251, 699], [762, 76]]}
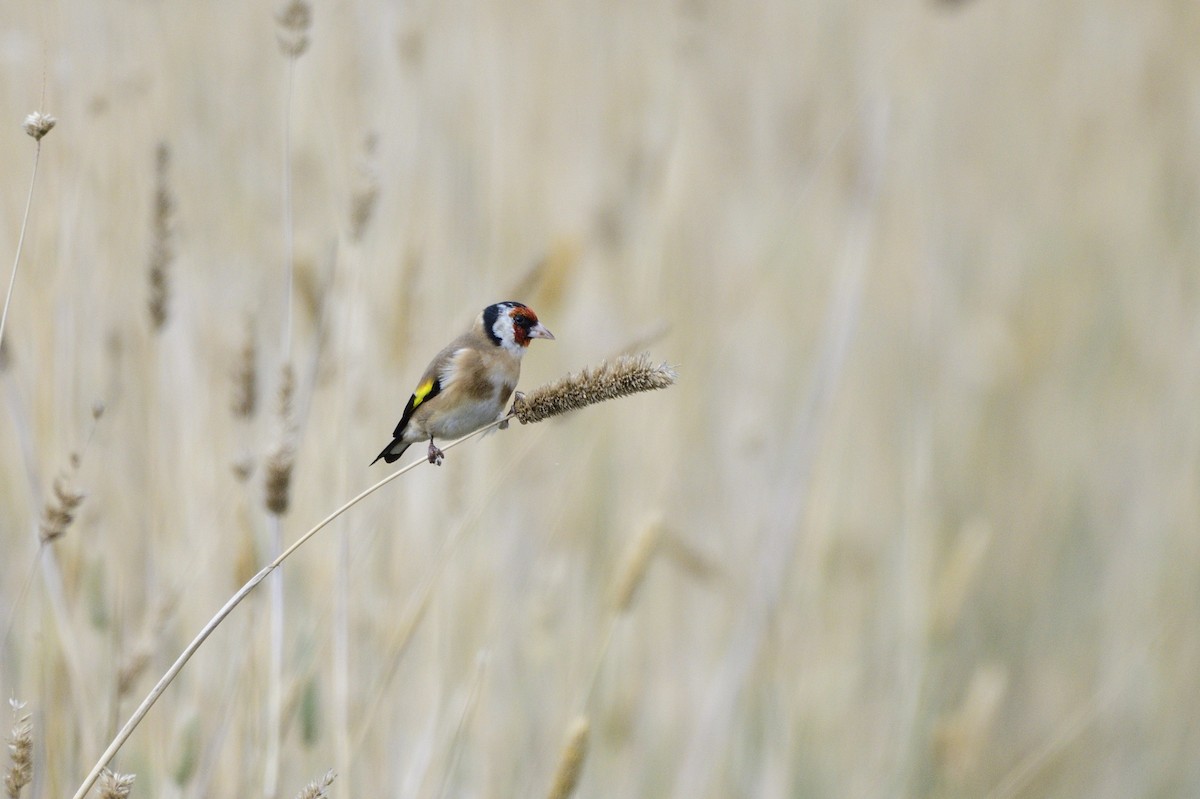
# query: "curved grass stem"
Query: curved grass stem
{"points": [[228, 607]]}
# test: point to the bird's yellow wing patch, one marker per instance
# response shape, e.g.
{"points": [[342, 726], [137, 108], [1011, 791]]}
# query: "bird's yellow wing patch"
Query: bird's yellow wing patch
{"points": [[422, 392], [428, 389]]}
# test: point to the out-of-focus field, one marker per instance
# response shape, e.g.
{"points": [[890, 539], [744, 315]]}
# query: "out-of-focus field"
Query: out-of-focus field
{"points": [[921, 516]]}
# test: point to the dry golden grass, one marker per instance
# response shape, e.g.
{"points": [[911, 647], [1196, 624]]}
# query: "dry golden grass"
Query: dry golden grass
{"points": [[928, 483]]}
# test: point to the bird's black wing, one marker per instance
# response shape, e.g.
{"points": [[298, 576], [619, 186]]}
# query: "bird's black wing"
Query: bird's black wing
{"points": [[428, 389]]}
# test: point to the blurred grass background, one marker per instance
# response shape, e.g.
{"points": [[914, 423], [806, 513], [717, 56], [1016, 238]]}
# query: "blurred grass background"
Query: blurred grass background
{"points": [[924, 501]]}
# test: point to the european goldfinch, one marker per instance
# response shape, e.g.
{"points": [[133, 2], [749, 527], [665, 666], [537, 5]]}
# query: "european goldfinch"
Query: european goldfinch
{"points": [[469, 382]]}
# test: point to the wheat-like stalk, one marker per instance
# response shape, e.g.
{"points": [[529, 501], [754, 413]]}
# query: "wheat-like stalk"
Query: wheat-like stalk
{"points": [[60, 510], [570, 765], [114, 785], [317, 789], [20, 752], [636, 564]]}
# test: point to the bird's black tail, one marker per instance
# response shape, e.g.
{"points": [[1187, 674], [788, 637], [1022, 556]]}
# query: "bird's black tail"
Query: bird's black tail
{"points": [[392, 452]]}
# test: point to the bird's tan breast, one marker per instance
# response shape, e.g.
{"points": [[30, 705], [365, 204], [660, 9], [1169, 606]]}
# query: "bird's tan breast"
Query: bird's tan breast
{"points": [[487, 376]]}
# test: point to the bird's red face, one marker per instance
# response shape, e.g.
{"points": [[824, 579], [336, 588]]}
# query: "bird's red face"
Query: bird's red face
{"points": [[525, 325]]}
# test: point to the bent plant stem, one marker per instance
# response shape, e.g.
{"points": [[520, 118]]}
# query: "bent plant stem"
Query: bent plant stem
{"points": [[624, 376], [228, 607]]}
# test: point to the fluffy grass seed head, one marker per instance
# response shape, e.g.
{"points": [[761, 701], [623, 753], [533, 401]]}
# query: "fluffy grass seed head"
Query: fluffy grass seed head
{"points": [[245, 377], [114, 785], [294, 21], [362, 203], [38, 124], [281, 461], [317, 789], [60, 510], [570, 765], [627, 374], [279, 477], [20, 752], [161, 250]]}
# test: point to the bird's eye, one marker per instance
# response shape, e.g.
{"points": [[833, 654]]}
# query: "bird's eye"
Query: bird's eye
{"points": [[521, 319]]}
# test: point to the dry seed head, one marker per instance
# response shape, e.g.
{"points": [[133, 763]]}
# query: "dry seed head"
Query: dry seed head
{"points": [[624, 376], [317, 789], [245, 377], [114, 785], [134, 663], [688, 558], [20, 752], [132, 667], [38, 124], [362, 204], [294, 20], [959, 575], [636, 564], [161, 251], [570, 767], [283, 459], [279, 479], [60, 510], [287, 392], [961, 737], [243, 468]]}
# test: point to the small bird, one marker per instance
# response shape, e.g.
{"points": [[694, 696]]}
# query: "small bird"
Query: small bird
{"points": [[467, 384]]}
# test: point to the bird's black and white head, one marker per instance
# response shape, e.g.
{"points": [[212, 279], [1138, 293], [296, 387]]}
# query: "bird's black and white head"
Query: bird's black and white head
{"points": [[513, 325]]}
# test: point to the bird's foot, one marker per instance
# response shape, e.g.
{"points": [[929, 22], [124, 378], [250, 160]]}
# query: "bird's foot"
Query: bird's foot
{"points": [[436, 456], [518, 396]]}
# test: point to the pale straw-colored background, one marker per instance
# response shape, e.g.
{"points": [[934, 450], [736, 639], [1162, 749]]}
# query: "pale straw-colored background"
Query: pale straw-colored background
{"points": [[925, 500]]}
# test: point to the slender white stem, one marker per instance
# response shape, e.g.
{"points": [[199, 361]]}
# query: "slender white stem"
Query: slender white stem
{"points": [[341, 659], [228, 607], [37, 156], [275, 667], [289, 246]]}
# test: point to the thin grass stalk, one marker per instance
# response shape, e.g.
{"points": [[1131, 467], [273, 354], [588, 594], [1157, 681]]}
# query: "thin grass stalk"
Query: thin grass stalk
{"points": [[275, 671], [37, 157], [464, 718], [278, 492], [606, 382], [348, 377], [275, 665], [289, 238], [341, 656], [46, 558], [235, 600], [796, 465], [399, 642], [1130, 670]]}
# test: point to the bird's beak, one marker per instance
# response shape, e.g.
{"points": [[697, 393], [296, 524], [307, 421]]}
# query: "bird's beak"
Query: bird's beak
{"points": [[537, 331]]}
